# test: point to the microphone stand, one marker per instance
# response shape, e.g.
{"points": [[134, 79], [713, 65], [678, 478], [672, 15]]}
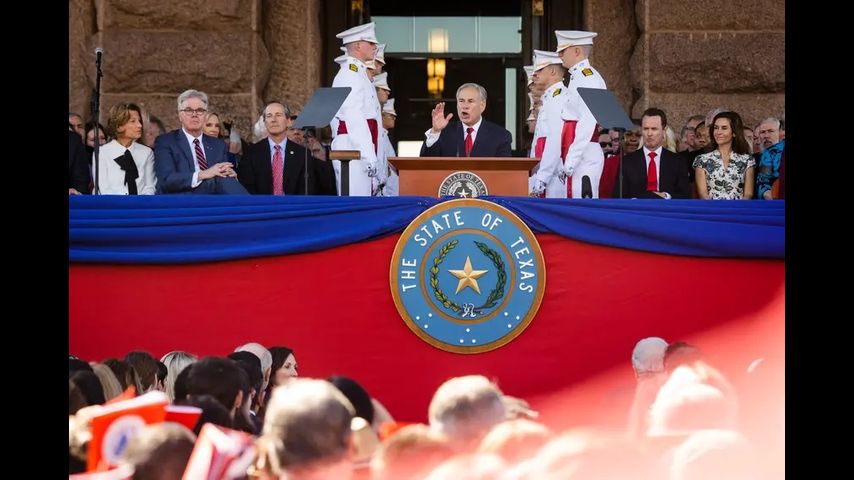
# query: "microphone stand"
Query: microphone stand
{"points": [[308, 132], [620, 156], [96, 105]]}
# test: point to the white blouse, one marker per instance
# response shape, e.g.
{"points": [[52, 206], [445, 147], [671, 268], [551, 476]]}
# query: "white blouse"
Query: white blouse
{"points": [[112, 177]]}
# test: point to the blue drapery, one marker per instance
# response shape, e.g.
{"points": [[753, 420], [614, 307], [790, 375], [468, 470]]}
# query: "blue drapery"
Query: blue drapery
{"points": [[193, 229]]}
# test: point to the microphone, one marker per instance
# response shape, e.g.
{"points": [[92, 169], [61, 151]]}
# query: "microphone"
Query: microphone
{"points": [[98, 52], [586, 188]]}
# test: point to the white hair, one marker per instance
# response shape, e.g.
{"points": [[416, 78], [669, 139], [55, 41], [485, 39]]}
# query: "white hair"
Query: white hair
{"points": [[188, 94], [480, 90], [648, 355], [463, 408]]}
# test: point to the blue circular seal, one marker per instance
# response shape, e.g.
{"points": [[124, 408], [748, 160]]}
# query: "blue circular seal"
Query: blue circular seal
{"points": [[467, 276]]}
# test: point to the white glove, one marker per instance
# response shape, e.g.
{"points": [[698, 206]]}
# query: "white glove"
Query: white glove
{"points": [[568, 170], [371, 169], [561, 175], [539, 188]]}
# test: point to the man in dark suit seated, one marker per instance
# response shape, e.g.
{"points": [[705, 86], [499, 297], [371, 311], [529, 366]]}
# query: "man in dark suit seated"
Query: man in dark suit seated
{"points": [[78, 166], [276, 165], [652, 171], [186, 161], [472, 136]]}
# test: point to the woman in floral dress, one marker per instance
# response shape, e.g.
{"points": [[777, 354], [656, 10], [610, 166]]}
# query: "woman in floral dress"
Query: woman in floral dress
{"points": [[725, 173]]}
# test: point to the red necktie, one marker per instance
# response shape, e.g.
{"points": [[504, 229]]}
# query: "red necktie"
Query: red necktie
{"points": [[651, 174], [278, 172], [200, 156], [468, 141]]}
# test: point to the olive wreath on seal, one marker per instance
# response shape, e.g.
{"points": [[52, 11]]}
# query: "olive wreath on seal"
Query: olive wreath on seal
{"points": [[494, 296]]}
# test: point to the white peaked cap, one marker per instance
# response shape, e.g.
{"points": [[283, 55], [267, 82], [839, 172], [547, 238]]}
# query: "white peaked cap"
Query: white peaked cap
{"points": [[360, 32], [648, 355], [529, 70], [381, 81], [531, 117], [573, 38], [380, 55], [544, 58], [370, 64], [388, 107]]}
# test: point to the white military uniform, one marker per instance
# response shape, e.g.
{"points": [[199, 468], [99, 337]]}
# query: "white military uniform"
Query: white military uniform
{"points": [[387, 173], [584, 156], [361, 104], [550, 126]]}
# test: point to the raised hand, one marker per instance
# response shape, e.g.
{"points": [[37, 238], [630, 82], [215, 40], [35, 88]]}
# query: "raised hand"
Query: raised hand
{"points": [[440, 121]]}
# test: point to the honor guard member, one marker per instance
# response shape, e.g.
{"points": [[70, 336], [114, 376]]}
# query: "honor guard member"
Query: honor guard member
{"points": [[379, 60], [356, 124], [389, 118], [383, 91], [548, 74], [580, 150]]}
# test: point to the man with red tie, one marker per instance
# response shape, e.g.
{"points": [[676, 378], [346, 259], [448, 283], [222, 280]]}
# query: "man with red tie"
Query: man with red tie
{"points": [[472, 136], [579, 139], [652, 171]]}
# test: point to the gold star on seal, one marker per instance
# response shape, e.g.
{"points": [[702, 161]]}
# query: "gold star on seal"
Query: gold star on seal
{"points": [[468, 277]]}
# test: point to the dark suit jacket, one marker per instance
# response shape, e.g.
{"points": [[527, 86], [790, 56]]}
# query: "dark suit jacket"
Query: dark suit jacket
{"points": [[491, 141], [174, 164], [256, 171], [78, 165], [672, 179]]}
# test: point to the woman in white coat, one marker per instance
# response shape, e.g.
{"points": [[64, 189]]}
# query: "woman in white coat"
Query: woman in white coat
{"points": [[126, 167]]}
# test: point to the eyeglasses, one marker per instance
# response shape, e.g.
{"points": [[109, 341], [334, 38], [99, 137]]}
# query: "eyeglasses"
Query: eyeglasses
{"points": [[197, 112]]}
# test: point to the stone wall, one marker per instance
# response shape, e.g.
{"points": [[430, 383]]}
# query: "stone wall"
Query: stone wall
{"points": [[240, 52], [690, 57]]}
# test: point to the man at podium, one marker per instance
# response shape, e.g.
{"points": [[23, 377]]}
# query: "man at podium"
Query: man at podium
{"points": [[472, 136]]}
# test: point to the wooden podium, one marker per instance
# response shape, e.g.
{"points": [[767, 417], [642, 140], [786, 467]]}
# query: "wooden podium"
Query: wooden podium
{"points": [[501, 175]]}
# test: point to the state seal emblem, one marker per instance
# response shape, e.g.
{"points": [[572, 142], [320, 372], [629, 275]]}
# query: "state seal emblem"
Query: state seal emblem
{"points": [[464, 185], [467, 276]]}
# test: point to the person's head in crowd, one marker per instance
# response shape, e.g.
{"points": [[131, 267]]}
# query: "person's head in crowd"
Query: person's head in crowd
{"points": [[389, 115], [727, 130], [76, 399], [715, 454], [471, 102], [155, 128], [125, 374], [182, 384], [89, 385], [769, 132], [75, 122], [691, 400], [632, 139], [670, 141], [587, 453], [653, 122], [783, 126], [213, 126], [680, 353], [90, 135], [605, 142], [124, 123], [251, 364], [532, 120], [283, 364], [748, 137], [263, 354], [276, 118], [470, 466], [296, 135], [146, 368], [75, 364], [648, 356], [192, 107], [411, 452], [757, 139], [690, 131], [515, 440], [466, 408], [109, 383], [159, 451], [701, 136], [356, 394], [380, 83], [212, 411], [219, 377], [307, 431], [614, 135], [548, 69], [176, 362], [379, 59], [243, 420]]}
